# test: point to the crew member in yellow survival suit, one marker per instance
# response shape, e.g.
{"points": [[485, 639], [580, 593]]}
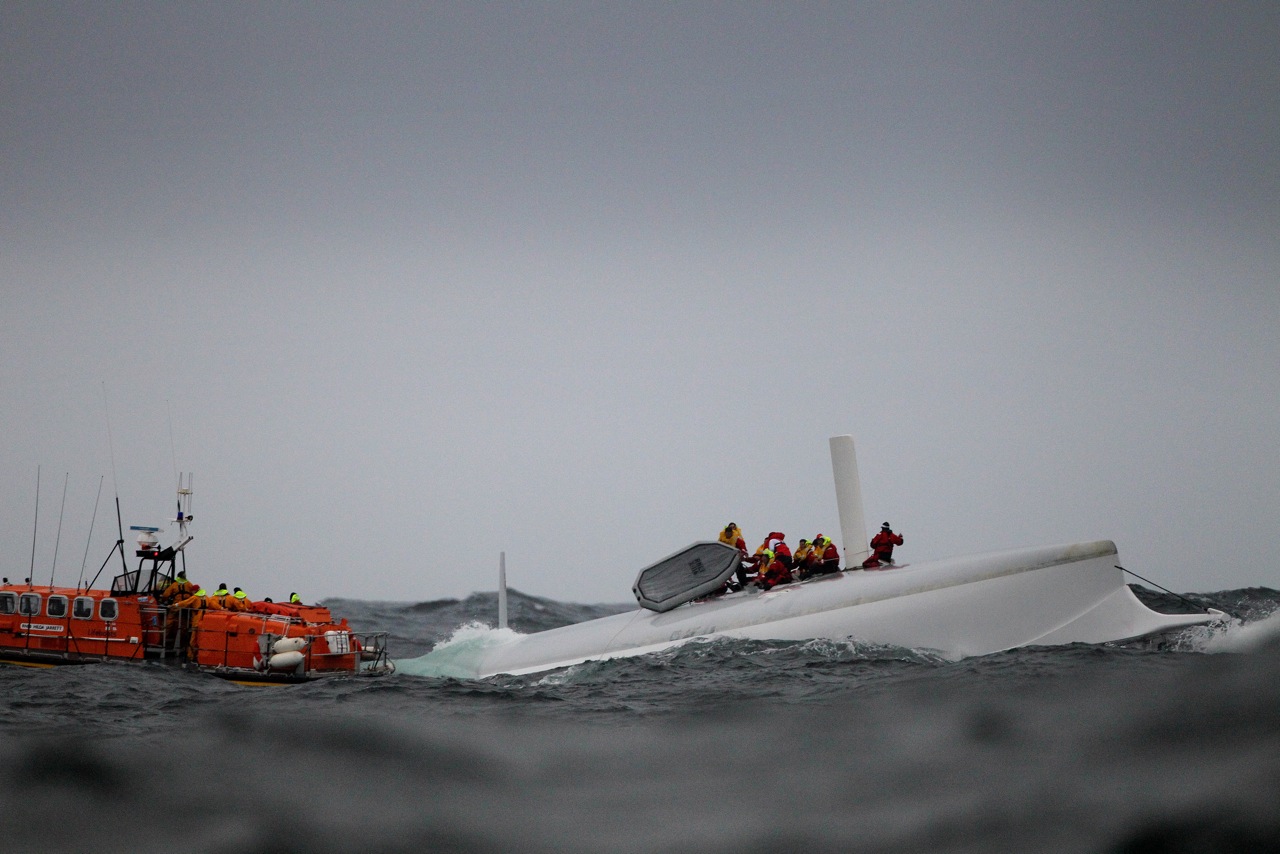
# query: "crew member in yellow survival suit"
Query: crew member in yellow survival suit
{"points": [[179, 588], [830, 561], [882, 548], [223, 597], [238, 601], [732, 536], [803, 558], [198, 601], [822, 559]]}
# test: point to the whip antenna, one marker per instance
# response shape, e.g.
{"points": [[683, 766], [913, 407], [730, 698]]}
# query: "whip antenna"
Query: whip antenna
{"points": [[80, 581], [173, 452], [111, 446], [115, 486], [35, 527], [58, 539]]}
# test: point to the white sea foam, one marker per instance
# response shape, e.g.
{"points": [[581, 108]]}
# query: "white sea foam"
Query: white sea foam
{"points": [[1235, 636], [458, 657]]}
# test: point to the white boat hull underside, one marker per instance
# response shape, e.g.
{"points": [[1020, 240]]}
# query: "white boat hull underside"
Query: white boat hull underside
{"points": [[959, 607]]}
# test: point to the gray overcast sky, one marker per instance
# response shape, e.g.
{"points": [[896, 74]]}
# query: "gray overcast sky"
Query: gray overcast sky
{"points": [[582, 282]]}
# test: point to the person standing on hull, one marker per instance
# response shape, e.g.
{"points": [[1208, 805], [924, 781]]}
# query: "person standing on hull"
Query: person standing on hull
{"points": [[882, 548], [732, 536]]}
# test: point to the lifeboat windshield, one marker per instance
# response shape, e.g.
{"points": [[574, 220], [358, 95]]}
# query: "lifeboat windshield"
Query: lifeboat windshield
{"points": [[125, 582]]}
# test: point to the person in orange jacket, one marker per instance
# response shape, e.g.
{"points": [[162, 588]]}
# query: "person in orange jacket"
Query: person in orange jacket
{"points": [[179, 588], [237, 601], [198, 601], [223, 597], [882, 548]]}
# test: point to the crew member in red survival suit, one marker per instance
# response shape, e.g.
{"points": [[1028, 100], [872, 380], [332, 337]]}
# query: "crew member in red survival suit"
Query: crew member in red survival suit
{"points": [[774, 573], [882, 548]]}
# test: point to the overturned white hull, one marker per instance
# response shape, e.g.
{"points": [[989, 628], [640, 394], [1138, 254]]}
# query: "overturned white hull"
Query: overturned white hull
{"points": [[959, 607]]}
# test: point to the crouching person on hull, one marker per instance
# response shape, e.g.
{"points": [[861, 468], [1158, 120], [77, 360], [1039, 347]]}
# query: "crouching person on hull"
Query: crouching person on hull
{"points": [[882, 548], [775, 572], [829, 562]]}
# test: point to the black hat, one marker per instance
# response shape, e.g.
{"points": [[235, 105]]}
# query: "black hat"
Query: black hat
{"points": [[885, 527]]}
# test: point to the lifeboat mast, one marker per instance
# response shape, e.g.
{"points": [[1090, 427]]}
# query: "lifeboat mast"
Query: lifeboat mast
{"points": [[148, 548]]}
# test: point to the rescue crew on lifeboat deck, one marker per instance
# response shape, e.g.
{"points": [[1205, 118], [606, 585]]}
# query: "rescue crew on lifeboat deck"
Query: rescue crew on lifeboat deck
{"points": [[179, 588], [198, 601], [223, 597]]}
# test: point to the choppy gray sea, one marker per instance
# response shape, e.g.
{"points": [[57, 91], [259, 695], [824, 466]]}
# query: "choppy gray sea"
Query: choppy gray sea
{"points": [[717, 747]]}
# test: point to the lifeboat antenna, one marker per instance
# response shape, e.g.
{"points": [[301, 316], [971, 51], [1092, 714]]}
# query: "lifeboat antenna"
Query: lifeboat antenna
{"points": [[853, 524], [92, 522], [184, 494], [34, 528], [58, 539], [184, 516], [115, 485], [502, 590]]}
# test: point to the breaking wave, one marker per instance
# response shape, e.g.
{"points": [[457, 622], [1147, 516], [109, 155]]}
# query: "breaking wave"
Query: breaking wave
{"points": [[458, 657]]}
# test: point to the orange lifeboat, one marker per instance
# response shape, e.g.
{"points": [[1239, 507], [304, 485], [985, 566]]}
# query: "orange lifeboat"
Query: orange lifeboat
{"points": [[43, 626]]}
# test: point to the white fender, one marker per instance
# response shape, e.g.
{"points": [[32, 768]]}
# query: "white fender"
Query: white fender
{"points": [[285, 660], [288, 645]]}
